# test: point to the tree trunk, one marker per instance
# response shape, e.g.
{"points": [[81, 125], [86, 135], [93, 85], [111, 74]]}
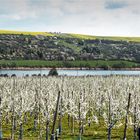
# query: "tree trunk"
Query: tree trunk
{"points": [[82, 131], [25, 118], [135, 129], [72, 128], [109, 133], [80, 134], [7, 118], [135, 132], [47, 130], [21, 131], [13, 128], [15, 123], [35, 121], [126, 119], [68, 120]]}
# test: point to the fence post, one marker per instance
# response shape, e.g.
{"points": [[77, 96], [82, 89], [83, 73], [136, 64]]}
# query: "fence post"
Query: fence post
{"points": [[55, 117]]}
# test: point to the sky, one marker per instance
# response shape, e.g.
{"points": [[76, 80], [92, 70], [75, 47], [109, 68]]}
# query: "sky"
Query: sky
{"points": [[93, 17]]}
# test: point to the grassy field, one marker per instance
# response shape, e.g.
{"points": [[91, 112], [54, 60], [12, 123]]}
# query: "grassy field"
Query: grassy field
{"points": [[94, 132], [116, 38], [60, 64], [25, 33]]}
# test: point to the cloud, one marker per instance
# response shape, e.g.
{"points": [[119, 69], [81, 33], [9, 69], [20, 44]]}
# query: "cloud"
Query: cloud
{"points": [[112, 5], [16, 9], [97, 17]]}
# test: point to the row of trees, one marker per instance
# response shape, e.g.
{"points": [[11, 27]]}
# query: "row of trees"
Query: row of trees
{"points": [[38, 101], [70, 64]]}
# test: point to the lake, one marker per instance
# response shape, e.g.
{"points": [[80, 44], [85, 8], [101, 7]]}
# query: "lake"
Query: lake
{"points": [[70, 72]]}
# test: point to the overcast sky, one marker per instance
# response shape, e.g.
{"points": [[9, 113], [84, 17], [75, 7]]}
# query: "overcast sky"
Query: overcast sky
{"points": [[95, 17]]}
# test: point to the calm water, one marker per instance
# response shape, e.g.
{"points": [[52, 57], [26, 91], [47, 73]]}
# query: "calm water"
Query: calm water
{"points": [[70, 72]]}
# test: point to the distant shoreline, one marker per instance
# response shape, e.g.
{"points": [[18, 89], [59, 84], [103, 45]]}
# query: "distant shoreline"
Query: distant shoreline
{"points": [[65, 68]]}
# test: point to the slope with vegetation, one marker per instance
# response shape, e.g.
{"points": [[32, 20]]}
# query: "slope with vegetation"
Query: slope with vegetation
{"points": [[67, 47]]}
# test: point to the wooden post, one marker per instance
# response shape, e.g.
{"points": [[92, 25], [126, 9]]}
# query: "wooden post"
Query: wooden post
{"points": [[60, 118], [126, 119], [109, 119], [0, 121], [21, 123], [79, 118], [135, 112], [13, 113], [55, 117]]}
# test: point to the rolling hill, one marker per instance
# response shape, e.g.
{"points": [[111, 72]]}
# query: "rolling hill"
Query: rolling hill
{"points": [[46, 46]]}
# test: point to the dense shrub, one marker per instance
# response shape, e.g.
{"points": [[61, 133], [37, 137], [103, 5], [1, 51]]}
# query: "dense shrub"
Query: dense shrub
{"points": [[119, 65], [53, 72]]}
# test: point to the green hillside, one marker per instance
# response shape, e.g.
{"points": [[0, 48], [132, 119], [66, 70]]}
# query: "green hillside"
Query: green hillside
{"points": [[73, 49]]}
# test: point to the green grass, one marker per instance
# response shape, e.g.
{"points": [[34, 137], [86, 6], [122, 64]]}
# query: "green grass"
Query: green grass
{"points": [[30, 63], [73, 47], [87, 64], [95, 132]]}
